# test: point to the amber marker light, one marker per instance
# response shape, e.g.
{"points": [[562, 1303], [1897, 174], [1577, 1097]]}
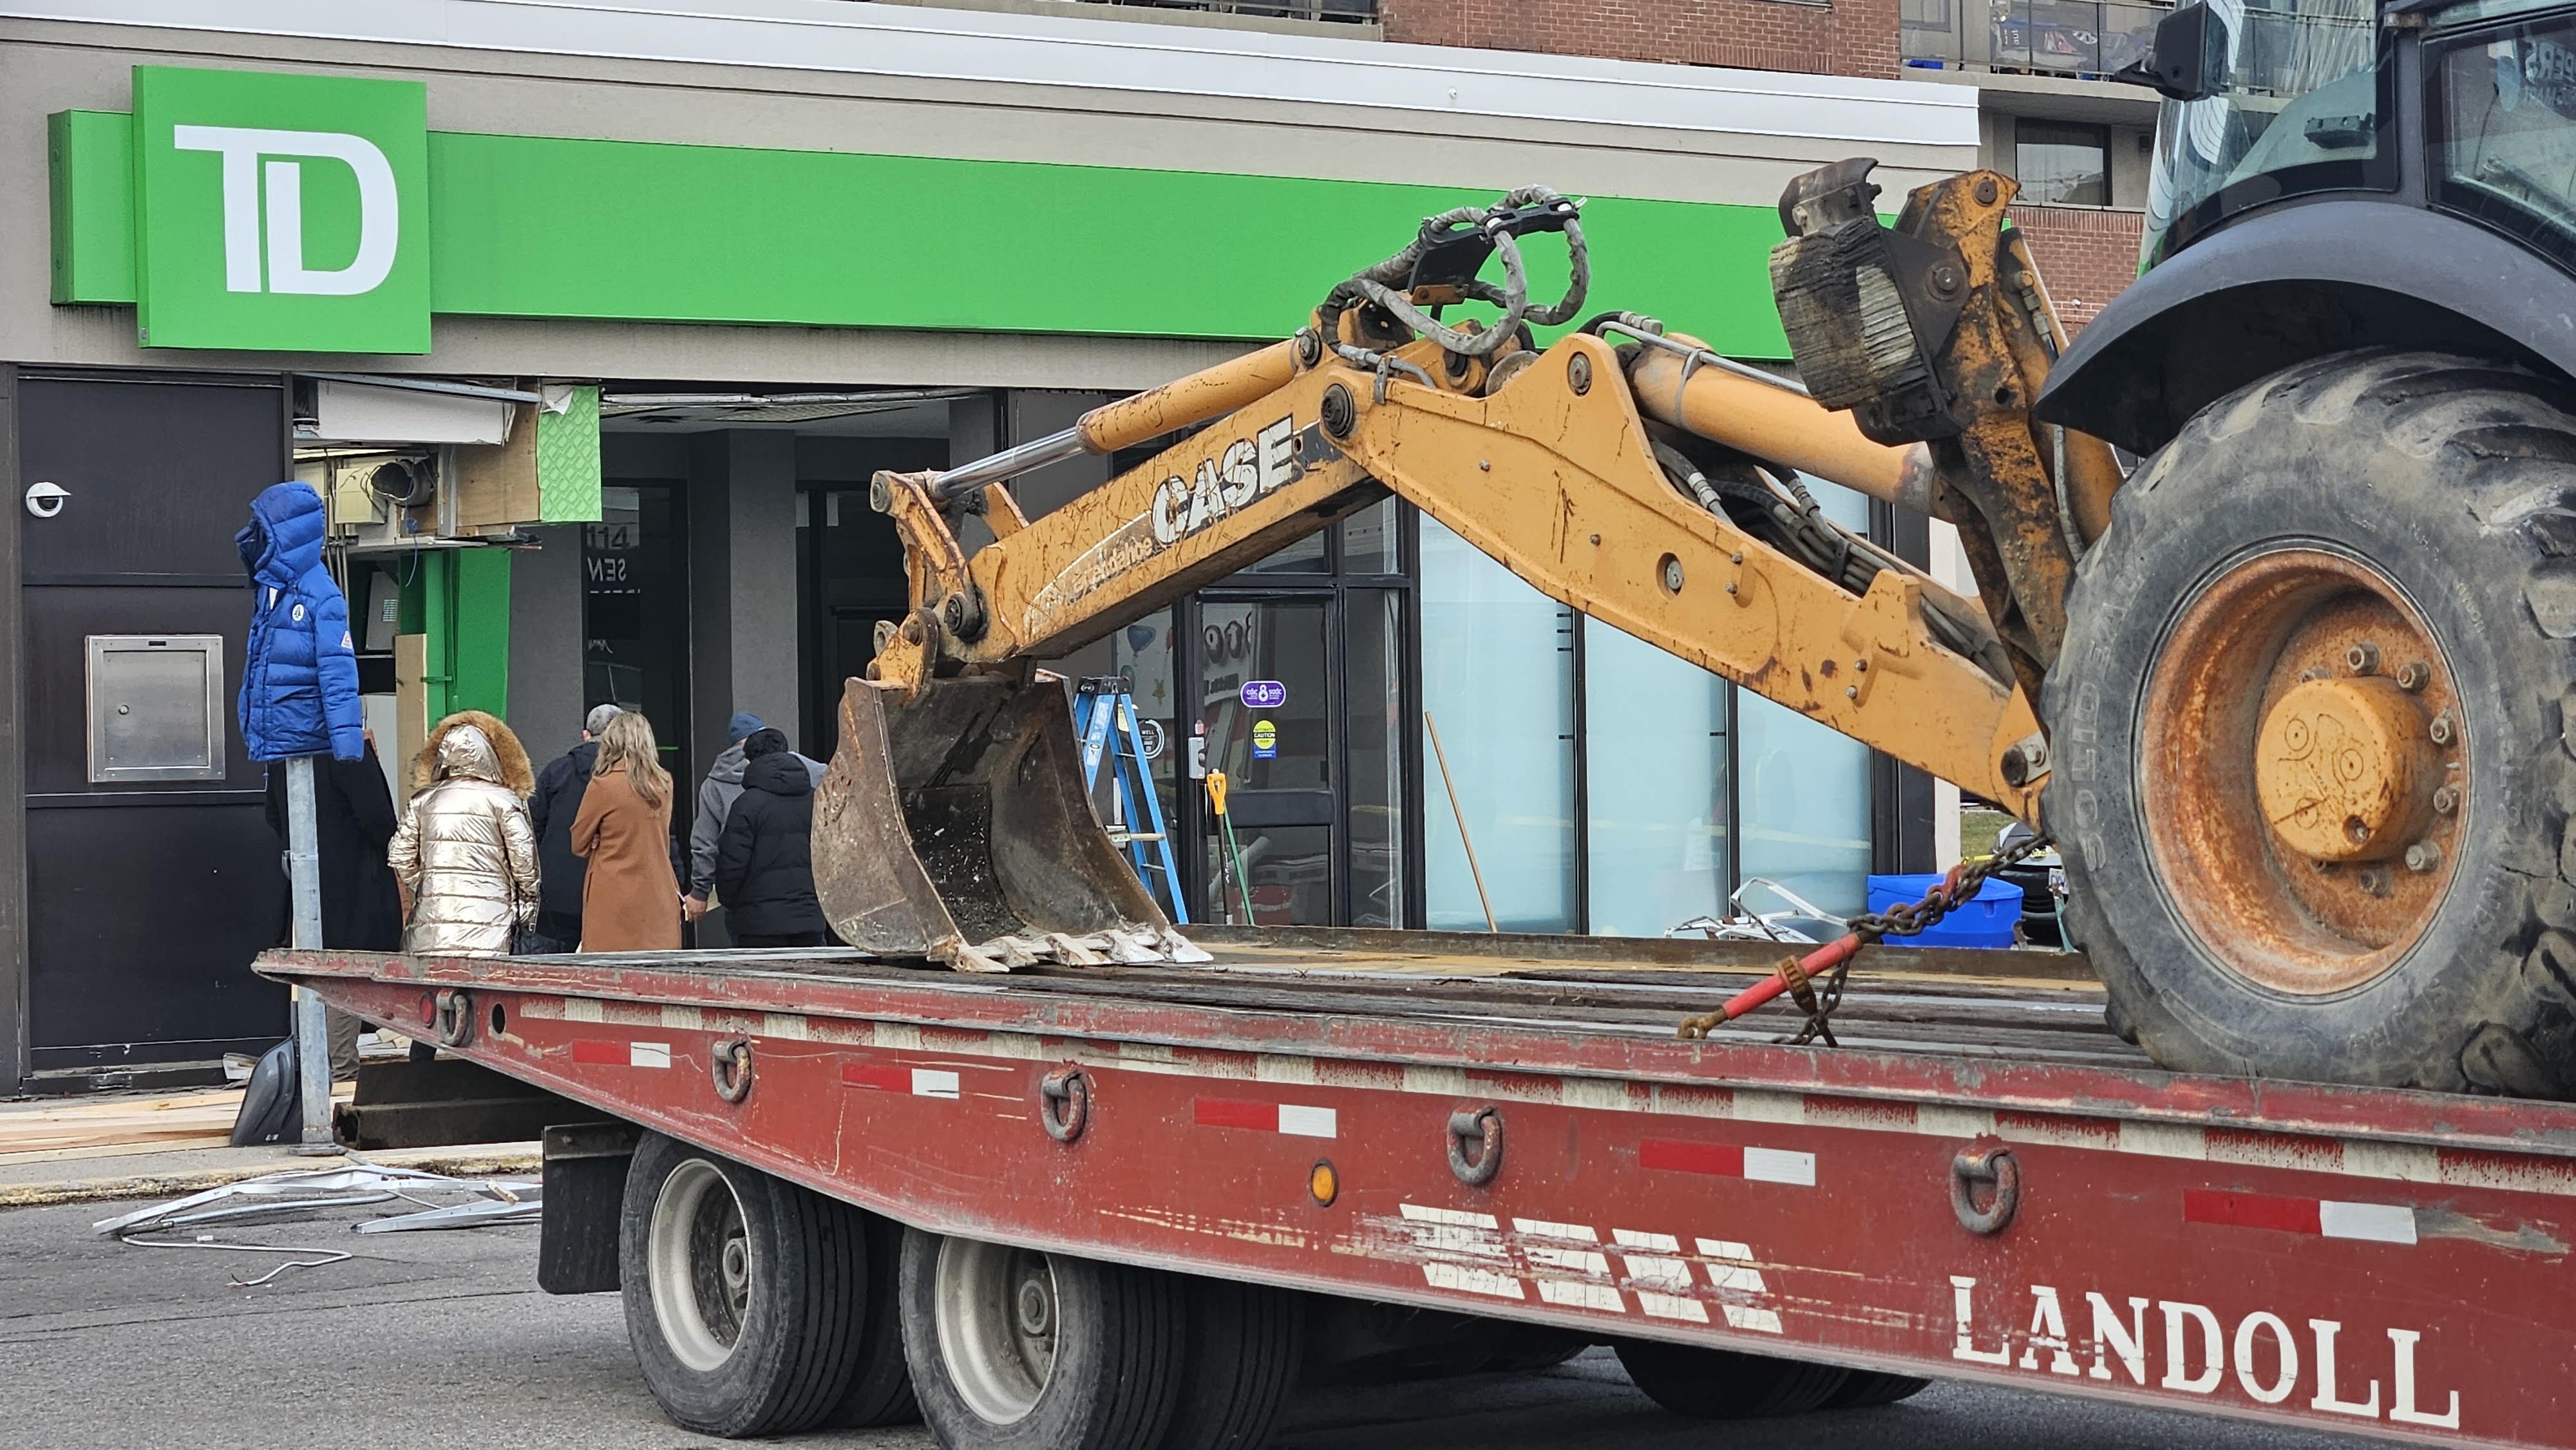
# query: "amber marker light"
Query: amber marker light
{"points": [[1323, 1183]]}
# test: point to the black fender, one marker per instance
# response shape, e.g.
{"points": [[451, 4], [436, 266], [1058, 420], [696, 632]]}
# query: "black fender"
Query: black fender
{"points": [[2296, 282]]}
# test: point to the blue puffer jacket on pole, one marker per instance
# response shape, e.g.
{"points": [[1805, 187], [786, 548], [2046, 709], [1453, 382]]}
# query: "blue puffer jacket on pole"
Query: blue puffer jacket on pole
{"points": [[299, 691]]}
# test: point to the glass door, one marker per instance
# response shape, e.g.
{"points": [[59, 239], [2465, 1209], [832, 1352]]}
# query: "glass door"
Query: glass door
{"points": [[1265, 717], [635, 616]]}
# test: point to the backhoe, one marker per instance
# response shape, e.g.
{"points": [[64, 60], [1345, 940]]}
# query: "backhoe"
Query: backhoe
{"points": [[2292, 693]]}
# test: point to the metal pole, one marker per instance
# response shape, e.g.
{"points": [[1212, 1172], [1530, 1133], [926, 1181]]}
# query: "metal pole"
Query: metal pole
{"points": [[1473, 870], [312, 1033]]}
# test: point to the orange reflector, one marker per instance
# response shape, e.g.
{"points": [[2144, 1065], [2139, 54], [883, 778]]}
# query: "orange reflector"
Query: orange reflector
{"points": [[1324, 1183]]}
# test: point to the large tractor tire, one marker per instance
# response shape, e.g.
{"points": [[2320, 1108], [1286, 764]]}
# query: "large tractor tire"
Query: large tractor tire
{"points": [[2313, 775]]}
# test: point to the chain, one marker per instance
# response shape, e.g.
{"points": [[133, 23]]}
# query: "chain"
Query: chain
{"points": [[1908, 917], [1819, 996]]}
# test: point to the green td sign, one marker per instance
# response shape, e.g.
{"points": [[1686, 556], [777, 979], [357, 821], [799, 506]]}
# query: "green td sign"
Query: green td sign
{"points": [[281, 212]]}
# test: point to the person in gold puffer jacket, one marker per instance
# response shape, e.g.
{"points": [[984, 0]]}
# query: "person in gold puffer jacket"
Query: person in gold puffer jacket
{"points": [[465, 852]]}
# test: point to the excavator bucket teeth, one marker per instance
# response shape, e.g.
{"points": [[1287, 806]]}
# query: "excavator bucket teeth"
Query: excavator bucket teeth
{"points": [[957, 829]]}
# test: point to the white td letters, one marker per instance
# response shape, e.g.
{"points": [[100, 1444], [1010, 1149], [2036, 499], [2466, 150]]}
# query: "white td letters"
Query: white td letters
{"points": [[242, 147]]}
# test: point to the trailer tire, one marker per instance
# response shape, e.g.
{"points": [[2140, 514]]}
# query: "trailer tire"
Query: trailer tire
{"points": [[2440, 491], [880, 1391], [1016, 1350], [1243, 1347], [1867, 1389], [743, 1291], [1720, 1384]]}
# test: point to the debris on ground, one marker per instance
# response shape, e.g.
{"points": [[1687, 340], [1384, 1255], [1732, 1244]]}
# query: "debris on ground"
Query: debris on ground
{"points": [[436, 1200]]}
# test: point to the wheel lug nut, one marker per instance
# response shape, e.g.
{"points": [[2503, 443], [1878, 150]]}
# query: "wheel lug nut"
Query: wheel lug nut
{"points": [[2373, 879], [2446, 800], [2362, 658], [2441, 729], [2414, 675], [2423, 856]]}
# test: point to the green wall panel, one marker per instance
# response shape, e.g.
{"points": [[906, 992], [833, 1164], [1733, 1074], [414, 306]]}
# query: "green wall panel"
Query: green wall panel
{"points": [[540, 227], [568, 461], [92, 159]]}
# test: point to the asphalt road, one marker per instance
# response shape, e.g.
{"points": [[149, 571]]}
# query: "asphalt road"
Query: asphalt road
{"points": [[436, 1340]]}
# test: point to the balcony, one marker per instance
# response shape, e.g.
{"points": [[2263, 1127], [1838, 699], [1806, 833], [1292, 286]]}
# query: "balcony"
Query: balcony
{"points": [[2076, 39]]}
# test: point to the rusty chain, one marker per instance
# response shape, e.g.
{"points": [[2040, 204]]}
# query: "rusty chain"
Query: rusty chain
{"points": [[1818, 996]]}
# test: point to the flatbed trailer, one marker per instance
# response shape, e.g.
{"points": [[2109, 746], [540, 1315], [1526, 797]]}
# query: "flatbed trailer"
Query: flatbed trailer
{"points": [[1980, 1182]]}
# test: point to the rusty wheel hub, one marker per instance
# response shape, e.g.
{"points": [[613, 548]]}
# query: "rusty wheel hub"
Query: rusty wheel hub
{"points": [[2300, 771]]}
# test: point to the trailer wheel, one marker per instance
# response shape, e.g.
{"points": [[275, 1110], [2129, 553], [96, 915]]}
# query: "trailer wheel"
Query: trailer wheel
{"points": [[1244, 1345], [1017, 1350], [1867, 1389], [2313, 768], [743, 1291], [1720, 1384], [880, 1391]]}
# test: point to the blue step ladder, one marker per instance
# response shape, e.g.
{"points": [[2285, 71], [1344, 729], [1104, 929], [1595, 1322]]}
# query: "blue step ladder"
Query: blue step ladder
{"points": [[1104, 717]]}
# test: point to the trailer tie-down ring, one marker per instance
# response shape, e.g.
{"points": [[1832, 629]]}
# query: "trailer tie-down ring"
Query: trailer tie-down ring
{"points": [[455, 1016], [1484, 1127], [1064, 1103], [1985, 1187], [729, 1063]]}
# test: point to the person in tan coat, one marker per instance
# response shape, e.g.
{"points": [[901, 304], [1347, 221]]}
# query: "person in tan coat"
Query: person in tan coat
{"points": [[630, 898], [465, 853]]}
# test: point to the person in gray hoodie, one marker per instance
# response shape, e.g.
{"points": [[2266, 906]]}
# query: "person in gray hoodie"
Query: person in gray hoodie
{"points": [[716, 795]]}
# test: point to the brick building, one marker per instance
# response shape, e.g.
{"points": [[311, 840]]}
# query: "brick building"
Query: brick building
{"points": [[1830, 37]]}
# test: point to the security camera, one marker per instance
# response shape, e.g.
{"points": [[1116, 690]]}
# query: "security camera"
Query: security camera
{"points": [[45, 500]]}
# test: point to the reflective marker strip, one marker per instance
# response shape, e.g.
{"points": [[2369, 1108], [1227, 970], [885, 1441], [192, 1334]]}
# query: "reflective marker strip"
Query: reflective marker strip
{"points": [[919, 1082], [622, 1054], [2383, 1223], [1725, 1160], [1293, 1119]]}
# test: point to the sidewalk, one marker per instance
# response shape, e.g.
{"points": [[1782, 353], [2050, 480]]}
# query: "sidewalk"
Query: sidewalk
{"points": [[155, 1145]]}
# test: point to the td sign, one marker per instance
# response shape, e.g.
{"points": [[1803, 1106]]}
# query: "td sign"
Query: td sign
{"points": [[281, 212]]}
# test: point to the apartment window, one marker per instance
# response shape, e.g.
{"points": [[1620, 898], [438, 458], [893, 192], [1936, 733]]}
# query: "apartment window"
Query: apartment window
{"points": [[2063, 163]]}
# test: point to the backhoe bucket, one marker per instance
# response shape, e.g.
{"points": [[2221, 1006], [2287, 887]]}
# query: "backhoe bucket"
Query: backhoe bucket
{"points": [[957, 829]]}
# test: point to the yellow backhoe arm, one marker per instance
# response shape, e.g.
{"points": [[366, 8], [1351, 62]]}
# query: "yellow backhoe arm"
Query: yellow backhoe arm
{"points": [[1624, 473]]}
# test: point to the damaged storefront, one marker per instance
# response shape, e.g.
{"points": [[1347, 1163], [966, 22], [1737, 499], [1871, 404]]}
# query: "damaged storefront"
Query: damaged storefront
{"points": [[592, 327]]}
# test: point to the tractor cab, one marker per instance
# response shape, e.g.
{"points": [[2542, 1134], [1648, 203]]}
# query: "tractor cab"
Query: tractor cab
{"points": [[2267, 103]]}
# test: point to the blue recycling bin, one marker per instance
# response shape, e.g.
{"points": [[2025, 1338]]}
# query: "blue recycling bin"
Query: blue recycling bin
{"points": [[1987, 921]]}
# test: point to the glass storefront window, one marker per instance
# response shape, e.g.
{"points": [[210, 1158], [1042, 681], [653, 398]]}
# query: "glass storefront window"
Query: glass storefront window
{"points": [[1806, 806], [1498, 680], [1655, 798], [1306, 556], [1805, 788], [1373, 660], [1369, 541]]}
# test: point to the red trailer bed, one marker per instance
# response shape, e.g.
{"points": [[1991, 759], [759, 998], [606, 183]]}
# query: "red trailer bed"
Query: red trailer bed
{"points": [[1980, 1182]]}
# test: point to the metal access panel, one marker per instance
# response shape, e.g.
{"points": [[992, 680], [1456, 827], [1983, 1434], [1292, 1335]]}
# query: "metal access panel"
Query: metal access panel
{"points": [[156, 707]]}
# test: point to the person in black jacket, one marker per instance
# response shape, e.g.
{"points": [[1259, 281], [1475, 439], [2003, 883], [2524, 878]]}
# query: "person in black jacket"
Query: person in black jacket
{"points": [[353, 811], [560, 787], [764, 860]]}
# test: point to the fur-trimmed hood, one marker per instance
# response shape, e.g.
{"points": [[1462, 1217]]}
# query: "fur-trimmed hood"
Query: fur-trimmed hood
{"points": [[508, 754]]}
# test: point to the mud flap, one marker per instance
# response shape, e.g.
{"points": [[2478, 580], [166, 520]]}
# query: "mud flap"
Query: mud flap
{"points": [[957, 829]]}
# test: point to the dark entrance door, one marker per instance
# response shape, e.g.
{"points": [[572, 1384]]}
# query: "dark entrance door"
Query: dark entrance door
{"points": [[147, 897], [1298, 696], [1266, 718], [635, 618]]}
